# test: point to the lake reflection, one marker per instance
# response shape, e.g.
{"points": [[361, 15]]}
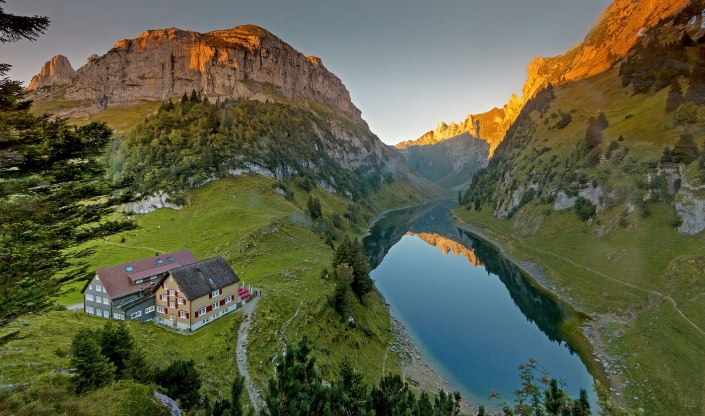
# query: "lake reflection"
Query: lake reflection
{"points": [[471, 312]]}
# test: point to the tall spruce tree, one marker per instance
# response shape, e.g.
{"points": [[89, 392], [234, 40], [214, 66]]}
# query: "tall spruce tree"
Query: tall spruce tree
{"points": [[50, 170], [92, 370], [117, 345]]}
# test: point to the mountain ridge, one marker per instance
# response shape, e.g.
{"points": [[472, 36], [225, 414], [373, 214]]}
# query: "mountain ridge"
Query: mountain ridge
{"points": [[245, 61], [613, 34]]}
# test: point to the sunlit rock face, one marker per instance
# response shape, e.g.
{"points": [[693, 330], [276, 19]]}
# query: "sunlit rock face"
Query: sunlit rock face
{"points": [[57, 71], [448, 246], [159, 64], [611, 36]]}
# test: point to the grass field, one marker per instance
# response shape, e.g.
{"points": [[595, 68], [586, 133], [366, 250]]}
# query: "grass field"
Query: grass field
{"points": [[628, 270], [269, 242]]}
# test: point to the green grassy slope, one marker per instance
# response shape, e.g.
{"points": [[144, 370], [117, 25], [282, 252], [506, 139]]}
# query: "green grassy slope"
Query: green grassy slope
{"points": [[269, 243]]}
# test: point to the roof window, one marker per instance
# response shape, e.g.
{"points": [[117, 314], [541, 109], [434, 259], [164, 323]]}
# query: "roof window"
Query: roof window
{"points": [[159, 261], [170, 258], [129, 268], [210, 280]]}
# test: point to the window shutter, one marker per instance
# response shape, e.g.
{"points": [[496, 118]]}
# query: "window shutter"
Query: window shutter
{"points": [[209, 308], [196, 315], [222, 302], [187, 315], [166, 311], [210, 295]]}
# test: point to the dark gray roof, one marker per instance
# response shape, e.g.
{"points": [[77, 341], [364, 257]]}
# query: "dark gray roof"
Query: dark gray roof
{"points": [[201, 278]]}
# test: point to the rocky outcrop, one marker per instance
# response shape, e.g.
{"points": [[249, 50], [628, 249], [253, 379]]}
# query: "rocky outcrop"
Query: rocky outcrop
{"points": [[58, 71], [448, 246], [690, 204], [594, 195], [149, 204], [612, 35], [159, 64]]}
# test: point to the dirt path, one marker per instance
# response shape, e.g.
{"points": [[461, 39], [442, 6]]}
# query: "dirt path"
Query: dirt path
{"points": [[105, 240], [241, 352], [282, 332], [673, 302]]}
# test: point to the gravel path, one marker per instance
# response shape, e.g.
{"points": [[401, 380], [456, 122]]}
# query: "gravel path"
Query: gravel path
{"points": [[241, 352]]}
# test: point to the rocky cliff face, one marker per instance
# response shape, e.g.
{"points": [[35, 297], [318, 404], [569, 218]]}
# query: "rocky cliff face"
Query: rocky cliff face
{"points": [[613, 34], [489, 126], [58, 71], [246, 61]]}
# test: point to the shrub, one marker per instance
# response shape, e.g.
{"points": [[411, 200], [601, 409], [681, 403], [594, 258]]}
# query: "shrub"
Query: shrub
{"points": [[686, 114], [585, 208]]}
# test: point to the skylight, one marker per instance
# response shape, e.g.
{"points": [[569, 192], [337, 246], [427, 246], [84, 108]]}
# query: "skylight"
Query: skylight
{"points": [[159, 261], [129, 268], [210, 280], [170, 258]]}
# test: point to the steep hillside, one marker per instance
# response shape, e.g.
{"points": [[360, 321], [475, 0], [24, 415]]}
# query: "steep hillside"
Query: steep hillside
{"points": [[600, 181], [614, 33], [246, 61]]}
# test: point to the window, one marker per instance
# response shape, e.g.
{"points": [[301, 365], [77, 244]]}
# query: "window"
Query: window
{"points": [[159, 261], [106, 301], [201, 311], [216, 305], [148, 309], [98, 288], [165, 286], [229, 299], [119, 316], [90, 286], [98, 312], [172, 304], [182, 314], [98, 299], [160, 309], [172, 292], [163, 298], [89, 297], [89, 309], [104, 291], [134, 315], [215, 293], [129, 268], [170, 258], [181, 301], [139, 281]]}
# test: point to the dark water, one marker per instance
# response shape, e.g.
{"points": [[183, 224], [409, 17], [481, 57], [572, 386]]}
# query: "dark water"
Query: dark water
{"points": [[474, 315]]}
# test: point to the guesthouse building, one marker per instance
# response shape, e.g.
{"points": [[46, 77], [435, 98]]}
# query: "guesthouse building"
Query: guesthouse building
{"points": [[127, 291], [198, 293]]}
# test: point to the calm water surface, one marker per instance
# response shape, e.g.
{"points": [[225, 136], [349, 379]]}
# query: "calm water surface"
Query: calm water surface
{"points": [[471, 312]]}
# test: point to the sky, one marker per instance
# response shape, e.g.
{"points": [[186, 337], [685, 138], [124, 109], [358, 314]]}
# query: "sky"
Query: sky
{"points": [[408, 64]]}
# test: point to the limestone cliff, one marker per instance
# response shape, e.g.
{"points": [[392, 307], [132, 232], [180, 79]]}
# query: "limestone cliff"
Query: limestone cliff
{"points": [[58, 71], [448, 246], [615, 32], [246, 61]]}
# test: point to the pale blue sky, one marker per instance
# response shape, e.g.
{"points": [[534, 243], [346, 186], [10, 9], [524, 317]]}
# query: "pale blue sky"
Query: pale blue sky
{"points": [[408, 64]]}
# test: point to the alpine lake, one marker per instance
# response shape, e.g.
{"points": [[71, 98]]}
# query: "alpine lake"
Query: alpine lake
{"points": [[473, 314]]}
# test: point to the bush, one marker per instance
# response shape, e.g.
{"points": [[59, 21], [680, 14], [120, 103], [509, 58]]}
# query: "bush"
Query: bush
{"points": [[686, 114], [585, 208]]}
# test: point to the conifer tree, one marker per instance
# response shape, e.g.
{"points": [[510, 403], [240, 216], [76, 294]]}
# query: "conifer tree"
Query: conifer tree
{"points": [[236, 391], [92, 370], [117, 344], [181, 381], [184, 98], [195, 99]]}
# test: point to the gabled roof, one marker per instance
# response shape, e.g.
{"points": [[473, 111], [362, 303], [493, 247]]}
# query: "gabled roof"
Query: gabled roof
{"points": [[120, 280], [199, 279]]}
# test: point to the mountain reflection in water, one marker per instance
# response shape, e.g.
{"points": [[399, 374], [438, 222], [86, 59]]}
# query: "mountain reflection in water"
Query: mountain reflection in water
{"points": [[474, 314]]}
